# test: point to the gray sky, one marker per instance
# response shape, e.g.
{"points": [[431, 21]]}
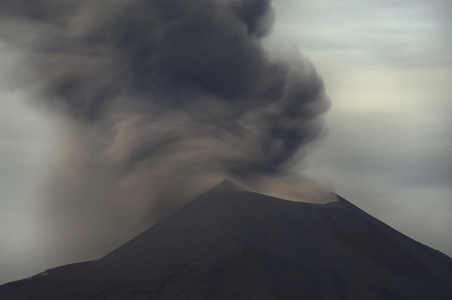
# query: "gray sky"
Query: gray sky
{"points": [[387, 70]]}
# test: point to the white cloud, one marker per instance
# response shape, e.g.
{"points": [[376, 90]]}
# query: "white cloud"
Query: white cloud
{"points": [[386, 69]]}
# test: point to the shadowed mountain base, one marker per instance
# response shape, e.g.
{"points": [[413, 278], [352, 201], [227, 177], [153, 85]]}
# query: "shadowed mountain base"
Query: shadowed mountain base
{"points": [[233, 244]]}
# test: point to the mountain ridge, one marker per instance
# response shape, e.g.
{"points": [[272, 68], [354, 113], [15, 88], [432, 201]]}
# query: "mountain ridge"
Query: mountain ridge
{"points": [[234, 244]]}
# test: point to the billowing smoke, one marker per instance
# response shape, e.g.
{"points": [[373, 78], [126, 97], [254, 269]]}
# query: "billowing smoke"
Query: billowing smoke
{"points": [[164, 98]]}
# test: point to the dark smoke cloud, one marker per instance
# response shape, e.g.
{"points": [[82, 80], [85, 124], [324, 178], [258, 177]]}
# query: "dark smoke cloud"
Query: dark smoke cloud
{"points": [[164, 98]]}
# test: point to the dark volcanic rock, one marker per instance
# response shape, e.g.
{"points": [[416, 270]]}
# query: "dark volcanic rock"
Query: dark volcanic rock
{"points": [[232, 244]]}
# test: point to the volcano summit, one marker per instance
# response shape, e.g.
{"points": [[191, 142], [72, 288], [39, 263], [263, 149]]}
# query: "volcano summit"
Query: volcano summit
{"points": [[233, 244]]}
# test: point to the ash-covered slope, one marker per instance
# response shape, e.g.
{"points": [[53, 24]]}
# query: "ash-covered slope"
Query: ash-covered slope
{"points": [[233, 244]]}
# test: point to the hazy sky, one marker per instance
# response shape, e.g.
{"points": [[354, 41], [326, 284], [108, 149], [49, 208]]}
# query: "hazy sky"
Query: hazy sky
{"points": [[387, 70]]}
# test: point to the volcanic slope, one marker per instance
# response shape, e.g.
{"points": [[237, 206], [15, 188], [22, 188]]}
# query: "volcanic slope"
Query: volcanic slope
{"points": [[233, 244]]}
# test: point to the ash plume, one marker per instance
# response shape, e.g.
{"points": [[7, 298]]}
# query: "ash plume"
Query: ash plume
{"points": [[163, 98]]}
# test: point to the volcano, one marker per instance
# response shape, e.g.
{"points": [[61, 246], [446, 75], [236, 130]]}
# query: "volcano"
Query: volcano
{"points": [[234, 244]]}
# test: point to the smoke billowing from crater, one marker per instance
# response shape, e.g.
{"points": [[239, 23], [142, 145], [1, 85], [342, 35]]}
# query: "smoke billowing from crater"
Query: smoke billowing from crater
{"points": [[165, 98]]}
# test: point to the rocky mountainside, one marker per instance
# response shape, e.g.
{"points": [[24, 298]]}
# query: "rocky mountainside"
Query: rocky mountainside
{"points": [[233, 244]]}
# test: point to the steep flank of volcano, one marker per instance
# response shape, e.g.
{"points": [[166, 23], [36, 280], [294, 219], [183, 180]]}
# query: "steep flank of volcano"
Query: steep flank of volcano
{"points": [[234, 244]]}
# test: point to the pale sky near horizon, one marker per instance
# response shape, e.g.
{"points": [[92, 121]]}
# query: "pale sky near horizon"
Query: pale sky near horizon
{"points": [[388, 72]]}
